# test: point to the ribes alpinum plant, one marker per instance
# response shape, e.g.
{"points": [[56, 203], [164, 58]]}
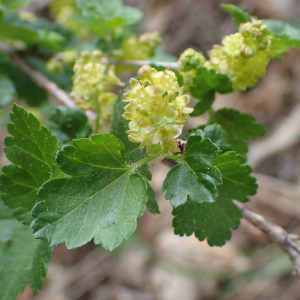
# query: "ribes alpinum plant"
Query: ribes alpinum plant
{"points": [[85, 174]]}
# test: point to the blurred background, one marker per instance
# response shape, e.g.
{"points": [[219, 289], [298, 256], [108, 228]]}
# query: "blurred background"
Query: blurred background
{"points": [[156, 264]]}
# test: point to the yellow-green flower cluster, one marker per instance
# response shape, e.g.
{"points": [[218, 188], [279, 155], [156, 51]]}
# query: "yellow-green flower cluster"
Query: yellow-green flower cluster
{"points": [[92, 79], [57, 62], [244, 55], [188, 62], [156, 108], [138, 48]]}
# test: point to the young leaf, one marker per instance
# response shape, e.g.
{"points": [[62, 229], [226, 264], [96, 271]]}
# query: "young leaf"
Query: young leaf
{"points": [[194, 177], [24, 262], [288, 34], [206, 84], [240, 127], [7, 90], [68, 123], [102, 199], [239, 15], [31, 149], [212, 221], [237, 182]]}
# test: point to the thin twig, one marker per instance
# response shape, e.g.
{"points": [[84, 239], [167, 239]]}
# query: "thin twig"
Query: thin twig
{"points": [[139, 63], [38, 78], [289, 243]]}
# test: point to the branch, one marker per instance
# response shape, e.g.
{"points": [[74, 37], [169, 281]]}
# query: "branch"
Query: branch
{"points": [[289, 243], [38, 78]]}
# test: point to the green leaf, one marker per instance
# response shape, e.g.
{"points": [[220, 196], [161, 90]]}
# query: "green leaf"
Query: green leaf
{"points": [[239, 15], [207, 82], [31, 149], [237, 182], [101, 199], [25, 87], [215, 133], [202, 106], [63, 79], [112, 13], [8, 224], [7, 90], [14, 28], [194, 177], [101, 9], [212, 221], [288, 34], [152, 203], [24, 262], [119, 126], [14, 4], [68, 123], [240, 127]]}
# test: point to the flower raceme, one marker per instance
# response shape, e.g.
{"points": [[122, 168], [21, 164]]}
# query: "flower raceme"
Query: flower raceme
{"points": [[92, 80], [156, 108], [244, 55]]}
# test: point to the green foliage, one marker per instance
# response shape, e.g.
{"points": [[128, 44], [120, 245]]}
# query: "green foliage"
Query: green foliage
{"points": [[26, 89], [31, 149], [215, 133], [62, 79], [238, 15], [213, 221], [240, 127], [112, 13], [102, 199], [14, 28], [7, 90], [68, 123], [288, 34], [206, 83], [195, 177], [133, 153], [14, 4], [24, 261], [237, 182]]}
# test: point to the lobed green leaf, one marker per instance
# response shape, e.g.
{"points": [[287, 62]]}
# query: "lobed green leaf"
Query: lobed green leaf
{"points": [[68, 123], [206, 83], [237, 182], [102, 199], [195, 177], [211, 221], [240, 127], [32, 150]]}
